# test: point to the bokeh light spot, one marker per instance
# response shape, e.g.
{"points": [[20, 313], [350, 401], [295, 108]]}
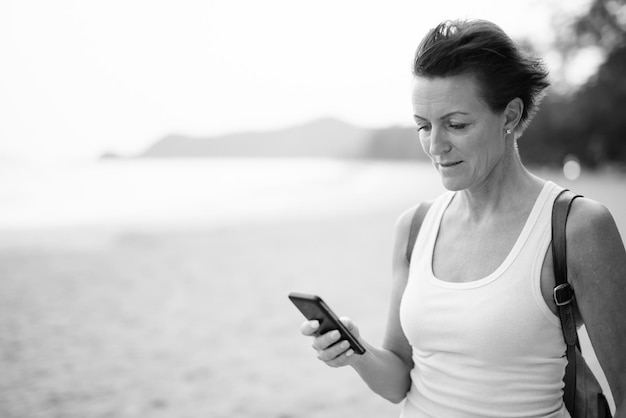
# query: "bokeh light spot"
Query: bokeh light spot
{"points": [[571, 167]]}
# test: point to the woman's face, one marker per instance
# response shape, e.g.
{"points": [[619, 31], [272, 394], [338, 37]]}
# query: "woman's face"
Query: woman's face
{"points": [[458, 131]]}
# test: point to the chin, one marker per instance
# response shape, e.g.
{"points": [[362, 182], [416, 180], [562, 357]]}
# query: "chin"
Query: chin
{"points": [[454, 184]]}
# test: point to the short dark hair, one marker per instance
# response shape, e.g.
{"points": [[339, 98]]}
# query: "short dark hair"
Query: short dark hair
{"points": [[481, 48]]}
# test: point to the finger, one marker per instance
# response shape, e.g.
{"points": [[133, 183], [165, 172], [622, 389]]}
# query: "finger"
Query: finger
{"points": [[341, 360], [309, 328], [347, 322], [350, 325], [324, 341], [333, 352]]}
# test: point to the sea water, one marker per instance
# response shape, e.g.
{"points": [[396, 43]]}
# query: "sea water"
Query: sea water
{"points": [[210, 191]]}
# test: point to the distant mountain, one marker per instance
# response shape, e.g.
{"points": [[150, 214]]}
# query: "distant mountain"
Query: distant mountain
{"points": [[320, 138]]}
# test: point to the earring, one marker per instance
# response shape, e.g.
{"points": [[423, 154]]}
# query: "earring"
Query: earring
{"points": [[508, 132]]}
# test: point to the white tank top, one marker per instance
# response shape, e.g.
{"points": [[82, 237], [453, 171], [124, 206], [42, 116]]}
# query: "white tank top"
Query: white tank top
{"points": [[490, 347]]}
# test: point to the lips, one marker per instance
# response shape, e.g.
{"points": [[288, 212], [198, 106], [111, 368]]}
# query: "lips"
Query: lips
{"points": [[449, 164]]}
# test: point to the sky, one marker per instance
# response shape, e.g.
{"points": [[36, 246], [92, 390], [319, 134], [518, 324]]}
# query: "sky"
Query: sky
{"points": [[84, 77]]}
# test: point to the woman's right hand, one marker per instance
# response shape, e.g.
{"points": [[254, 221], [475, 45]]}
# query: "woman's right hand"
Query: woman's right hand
{"points": [[330, 348]]}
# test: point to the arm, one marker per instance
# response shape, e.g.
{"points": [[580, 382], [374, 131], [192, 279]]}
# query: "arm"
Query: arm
{"points": [[385, 370], [597, 270], [396, 347]]}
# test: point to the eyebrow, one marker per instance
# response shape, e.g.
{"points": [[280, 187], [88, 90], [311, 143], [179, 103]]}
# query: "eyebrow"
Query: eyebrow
{"points": [[444, 116]]}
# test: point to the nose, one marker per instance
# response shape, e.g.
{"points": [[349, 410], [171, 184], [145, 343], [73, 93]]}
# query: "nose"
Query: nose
{"points": [[438, 142]]}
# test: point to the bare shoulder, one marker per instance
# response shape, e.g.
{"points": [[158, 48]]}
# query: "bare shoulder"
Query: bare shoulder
{"points": [[590, 222], [594, 244], [402, 228], [403, 222]]}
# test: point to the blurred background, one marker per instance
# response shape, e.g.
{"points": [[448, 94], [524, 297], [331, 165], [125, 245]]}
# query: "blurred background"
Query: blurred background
{"points": [[169, 171]]}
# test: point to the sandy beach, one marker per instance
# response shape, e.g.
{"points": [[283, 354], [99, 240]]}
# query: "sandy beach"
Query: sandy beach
{"points": [[193, 320], [188, 323]]}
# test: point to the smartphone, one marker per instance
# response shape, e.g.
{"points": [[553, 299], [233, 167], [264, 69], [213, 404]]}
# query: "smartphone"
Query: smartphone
{"points": [[314, 308]]}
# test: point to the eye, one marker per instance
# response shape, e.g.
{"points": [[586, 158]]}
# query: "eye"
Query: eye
{"points": [[424, 128], [458, 126]]}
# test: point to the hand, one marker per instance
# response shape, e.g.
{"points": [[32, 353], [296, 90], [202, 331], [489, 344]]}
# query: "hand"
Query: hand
{"points": [[330, 349]]}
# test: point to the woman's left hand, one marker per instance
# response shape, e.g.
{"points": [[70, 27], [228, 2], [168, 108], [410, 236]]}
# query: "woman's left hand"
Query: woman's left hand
{"points": [[330, 348]]}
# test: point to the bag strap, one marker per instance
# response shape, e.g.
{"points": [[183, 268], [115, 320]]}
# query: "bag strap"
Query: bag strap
{"points": [[416, 224], [563, 292]]}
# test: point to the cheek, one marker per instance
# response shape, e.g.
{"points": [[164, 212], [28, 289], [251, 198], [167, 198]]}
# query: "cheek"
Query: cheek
{"points": [[425, 143], [497, 146], [493, 152]]}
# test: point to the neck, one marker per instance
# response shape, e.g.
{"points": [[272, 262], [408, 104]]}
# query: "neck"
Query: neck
{"points": [[509, 187]]}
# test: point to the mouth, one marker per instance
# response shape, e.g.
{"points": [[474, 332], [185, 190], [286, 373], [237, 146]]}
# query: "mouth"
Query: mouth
{"points": [[449, 164]]}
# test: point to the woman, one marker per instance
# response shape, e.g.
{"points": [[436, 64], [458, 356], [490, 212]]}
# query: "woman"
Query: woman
{"points": [[472, 328]]}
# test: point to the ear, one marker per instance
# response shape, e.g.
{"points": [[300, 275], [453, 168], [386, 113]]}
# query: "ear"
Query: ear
{"points": [[513, 114]]}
